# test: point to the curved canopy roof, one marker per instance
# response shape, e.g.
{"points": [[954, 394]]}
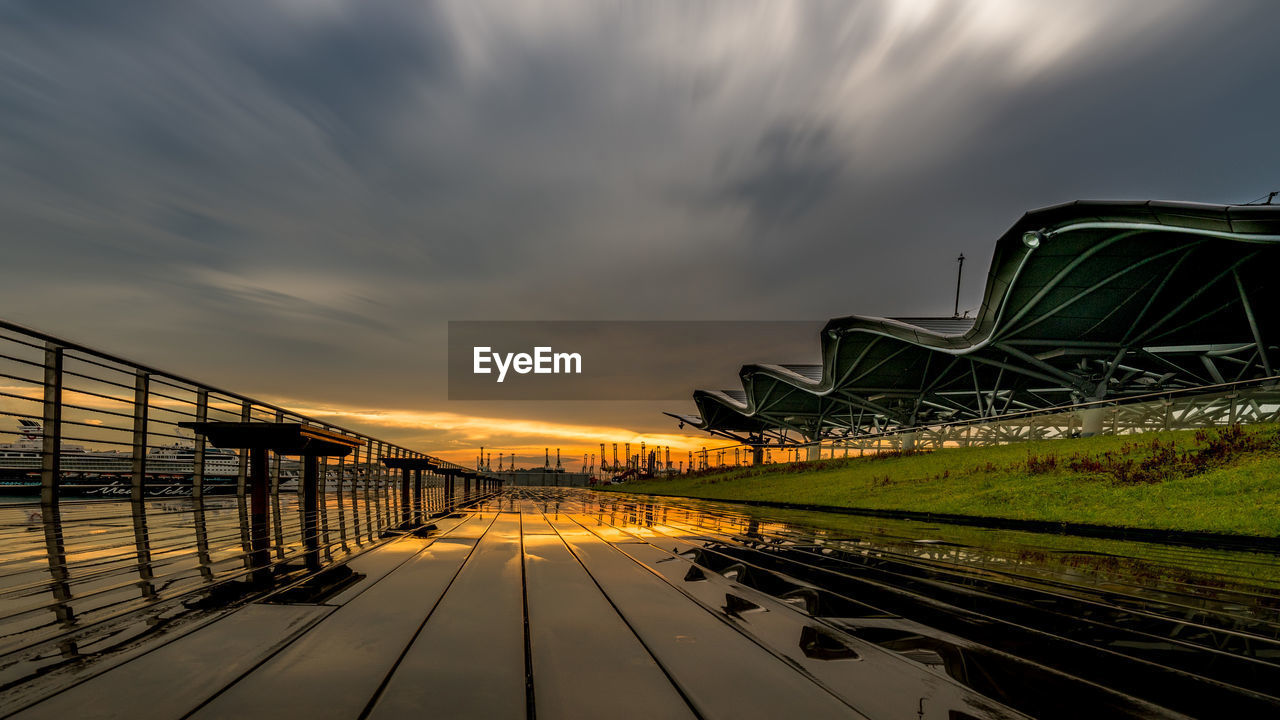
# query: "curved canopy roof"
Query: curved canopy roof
{"points": [[1085, 300]]}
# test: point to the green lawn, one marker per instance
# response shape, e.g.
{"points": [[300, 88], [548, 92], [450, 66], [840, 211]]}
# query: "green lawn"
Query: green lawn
{"points": [[1218, 481]]}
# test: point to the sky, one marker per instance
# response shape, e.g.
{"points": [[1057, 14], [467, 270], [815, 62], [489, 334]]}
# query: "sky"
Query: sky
{"points": [[292, 198]]}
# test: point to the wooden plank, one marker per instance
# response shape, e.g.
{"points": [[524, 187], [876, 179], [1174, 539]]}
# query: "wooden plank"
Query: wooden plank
{"points": [[584, 656], [532, 523], [721, 671], [172, 680], [337, 667], [611, 533], [474, 527], [377, 563], [468, 661]]}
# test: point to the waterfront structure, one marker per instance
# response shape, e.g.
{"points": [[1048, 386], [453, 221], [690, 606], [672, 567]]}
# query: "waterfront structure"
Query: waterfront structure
{"points": [[1084, 302]]}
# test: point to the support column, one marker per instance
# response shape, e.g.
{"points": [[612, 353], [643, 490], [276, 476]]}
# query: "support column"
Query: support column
{"points": [[1091, 420], [757, 454]]}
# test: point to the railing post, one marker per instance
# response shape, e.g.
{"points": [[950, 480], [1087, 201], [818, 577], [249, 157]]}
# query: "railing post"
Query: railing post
{"points": [[259, 539], [277, 516], [388, 491], [141, 393], [310, 510], [198, 449], [368, 479], [242, 483], [342, 511], [50, 479], [393, 487], [418, 509], [375, 478], [137, 494], [51, 440], [325, 541], [406, 510], [197, 488], [355, 494], [398, 493]]}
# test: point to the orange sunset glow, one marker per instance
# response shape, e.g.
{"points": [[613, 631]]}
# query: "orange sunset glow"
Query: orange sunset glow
{"points": [[528, 439]]}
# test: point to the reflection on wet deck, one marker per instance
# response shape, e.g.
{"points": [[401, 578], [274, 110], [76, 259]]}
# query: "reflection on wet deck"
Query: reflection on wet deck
{"points": [[567, 604]]}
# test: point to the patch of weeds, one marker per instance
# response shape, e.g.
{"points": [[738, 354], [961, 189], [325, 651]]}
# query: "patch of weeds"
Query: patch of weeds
{"points": [[1154, 461]]}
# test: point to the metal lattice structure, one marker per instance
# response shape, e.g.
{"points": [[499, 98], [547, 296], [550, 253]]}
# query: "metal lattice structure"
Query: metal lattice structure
{"points": [[1084, 301]]}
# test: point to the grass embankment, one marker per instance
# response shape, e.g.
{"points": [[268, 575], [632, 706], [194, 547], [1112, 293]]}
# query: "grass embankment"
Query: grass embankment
{"points": [[1222, 480]]}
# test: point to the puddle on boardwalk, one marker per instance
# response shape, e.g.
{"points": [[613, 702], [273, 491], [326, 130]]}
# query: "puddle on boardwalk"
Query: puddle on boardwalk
{"points": [[954, 621], [1051, 625], [87, 578]]}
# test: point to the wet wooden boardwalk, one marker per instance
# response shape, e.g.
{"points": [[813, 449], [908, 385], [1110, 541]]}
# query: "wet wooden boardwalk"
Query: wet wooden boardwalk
{"points": [[544, 604], [509, 611]]}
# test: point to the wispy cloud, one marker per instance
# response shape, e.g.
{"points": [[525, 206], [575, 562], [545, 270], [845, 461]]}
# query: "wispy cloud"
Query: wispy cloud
{"points": [[294, 198]]}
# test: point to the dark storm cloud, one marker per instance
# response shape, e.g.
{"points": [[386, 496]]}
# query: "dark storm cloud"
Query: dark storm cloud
{"points": [[347, 77], [794, 168], [277, 196]]}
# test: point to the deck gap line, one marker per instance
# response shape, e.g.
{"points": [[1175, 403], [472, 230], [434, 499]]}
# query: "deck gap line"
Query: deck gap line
{"points": [[531, 711], [303, 630], [387, 543], [718, 616], [382, 686], [196, 626], [947, 607], [667, 673]]}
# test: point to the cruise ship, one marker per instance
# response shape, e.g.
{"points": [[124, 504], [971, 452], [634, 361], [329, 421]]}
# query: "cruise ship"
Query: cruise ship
{"points": [[106, 473]]}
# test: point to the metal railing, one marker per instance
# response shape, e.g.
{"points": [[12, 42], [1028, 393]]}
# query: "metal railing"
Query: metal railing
{"points": [[108, 507]]}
